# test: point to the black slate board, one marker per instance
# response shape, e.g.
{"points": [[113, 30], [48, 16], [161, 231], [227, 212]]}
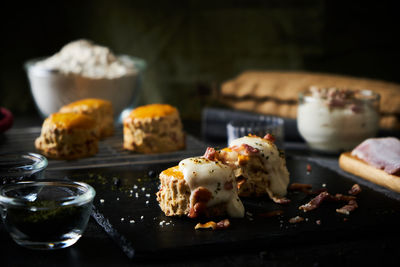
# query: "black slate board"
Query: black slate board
{"points": [[376, 213]]}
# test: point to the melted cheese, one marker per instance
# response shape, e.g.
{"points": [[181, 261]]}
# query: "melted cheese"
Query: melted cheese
{"points": [[72, 121], [153, 111], [213, 175], [274, 165]]}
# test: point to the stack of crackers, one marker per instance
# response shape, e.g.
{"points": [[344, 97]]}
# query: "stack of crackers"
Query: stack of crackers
{"points": [[276, 93]]}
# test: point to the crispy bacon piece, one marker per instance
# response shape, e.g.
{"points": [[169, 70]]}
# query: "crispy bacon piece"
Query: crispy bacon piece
{"points": [[315, 202], [223, 224], [355, 190], [296, 219], [346, 209], [280, 200], [210, 153], [199, 201], [245, 149], [270, 214], [269, 137]]}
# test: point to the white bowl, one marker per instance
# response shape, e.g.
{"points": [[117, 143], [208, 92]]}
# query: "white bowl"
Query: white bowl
{"points": [[52, 89]]}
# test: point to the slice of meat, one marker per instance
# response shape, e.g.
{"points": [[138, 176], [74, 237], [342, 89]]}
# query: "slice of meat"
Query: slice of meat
{"points": [[382, 153]]}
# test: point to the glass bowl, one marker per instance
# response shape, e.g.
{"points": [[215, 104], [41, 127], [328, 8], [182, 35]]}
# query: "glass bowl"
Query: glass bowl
{"points": [[46, 214], [21, 166], [334, 124], [260, 127], [52, 89]]}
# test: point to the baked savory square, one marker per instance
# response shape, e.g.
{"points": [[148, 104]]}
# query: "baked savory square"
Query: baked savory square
{"points": [[154, 128], [199, 187], [101, 110], [260, 166], [68, 136]]}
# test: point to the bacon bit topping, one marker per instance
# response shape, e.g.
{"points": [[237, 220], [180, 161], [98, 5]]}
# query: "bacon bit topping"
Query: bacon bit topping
{"points": [[200, 197], [280, 200], [213, 225], [245, 149], [296, 219], [269, 137], [210, 153], [250, 150], [355, 190], [346, 209], [223, 224], [271, 214], [315, 202]]}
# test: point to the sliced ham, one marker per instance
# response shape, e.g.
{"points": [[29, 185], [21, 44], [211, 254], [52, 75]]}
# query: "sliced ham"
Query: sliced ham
{"points": [[382, 153]]}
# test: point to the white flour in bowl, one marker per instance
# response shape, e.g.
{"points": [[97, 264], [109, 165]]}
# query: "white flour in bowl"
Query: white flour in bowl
{"points": [[81, 70], [84, 58]]}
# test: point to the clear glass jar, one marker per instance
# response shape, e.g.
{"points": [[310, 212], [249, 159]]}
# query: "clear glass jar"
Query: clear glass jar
{"points": [[15, 167], [331, 123], [46, 214]]}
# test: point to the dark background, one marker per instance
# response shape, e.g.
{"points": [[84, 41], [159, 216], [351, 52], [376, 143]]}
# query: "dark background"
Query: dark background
{"points": [[192, 46]]}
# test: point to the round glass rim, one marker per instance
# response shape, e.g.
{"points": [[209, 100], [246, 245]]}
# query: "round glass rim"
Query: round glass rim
{"points": [[87, 196], [362, 95], [29, 65], [260, 122], [40, 162]]}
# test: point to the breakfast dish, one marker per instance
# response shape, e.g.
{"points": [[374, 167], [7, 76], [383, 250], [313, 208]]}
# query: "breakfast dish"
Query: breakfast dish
{"points": [[68, 136], [260, 168], [101, 110], [376, 160], [199, 187], [154, 128]]}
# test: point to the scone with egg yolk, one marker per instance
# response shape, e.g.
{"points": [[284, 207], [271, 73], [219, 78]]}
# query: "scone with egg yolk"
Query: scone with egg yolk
{"points": [[68, 136], [101, 110], [199, 187], [260, 166], [154, 128]]}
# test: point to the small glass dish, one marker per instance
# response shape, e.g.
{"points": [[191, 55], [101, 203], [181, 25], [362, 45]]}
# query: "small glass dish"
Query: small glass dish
{"points": [[46, 214], [260, 127], [332, 120], [15, 167]]}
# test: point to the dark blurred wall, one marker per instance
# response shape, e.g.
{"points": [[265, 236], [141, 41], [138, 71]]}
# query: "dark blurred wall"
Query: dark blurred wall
{"points": [[192, 45]]}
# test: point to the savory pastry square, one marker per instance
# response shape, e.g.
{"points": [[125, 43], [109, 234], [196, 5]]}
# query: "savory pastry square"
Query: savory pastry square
{"points": [[154, 128], [260, 168], [101, 110], [68, 136], [199, 187]]}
